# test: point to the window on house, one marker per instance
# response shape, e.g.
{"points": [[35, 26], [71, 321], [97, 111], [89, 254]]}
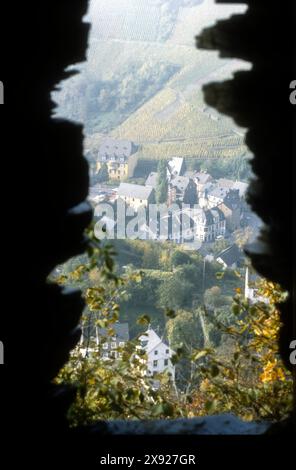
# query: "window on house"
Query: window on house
{"points": [[155, 352], [155, 363], [166, 362]]}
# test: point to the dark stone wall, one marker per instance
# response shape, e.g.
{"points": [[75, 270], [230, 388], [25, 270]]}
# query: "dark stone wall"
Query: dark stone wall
{"points": [[44, 214], [259, 100]]}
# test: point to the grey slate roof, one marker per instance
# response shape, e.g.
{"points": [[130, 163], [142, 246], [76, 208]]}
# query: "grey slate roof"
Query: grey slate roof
{"points": [[230, 256], [180, 182], [152, 180], [134, 190], [230, 184], [232, 200], [225, 183], [219, 192], [121, 331], [202, 177], [207, 216], [112, 148], [216, 213]]}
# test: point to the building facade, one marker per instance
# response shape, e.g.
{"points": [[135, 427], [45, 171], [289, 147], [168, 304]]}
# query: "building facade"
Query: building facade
{"points": [[182, 189], [119, 156], [159, 354], [110, 347], [209, 224], [136, 196]]}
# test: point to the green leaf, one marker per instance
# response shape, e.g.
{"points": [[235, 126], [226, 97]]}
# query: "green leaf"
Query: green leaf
{"points": [[210, 406], [175, 359], [220, 275], [199, 355], [144, 320], [236, 309]]}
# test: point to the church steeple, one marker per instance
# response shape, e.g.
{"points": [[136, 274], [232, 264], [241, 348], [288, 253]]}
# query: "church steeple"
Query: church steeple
{"points": [[247, 283]]}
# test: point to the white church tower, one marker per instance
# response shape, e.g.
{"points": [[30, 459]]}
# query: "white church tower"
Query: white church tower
{"points": [[251, 293]]}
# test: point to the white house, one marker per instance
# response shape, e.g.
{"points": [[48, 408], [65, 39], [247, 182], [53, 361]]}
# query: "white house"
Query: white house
{"points": [[159, 354], [135, 195], [175, 167], [209, 224]]}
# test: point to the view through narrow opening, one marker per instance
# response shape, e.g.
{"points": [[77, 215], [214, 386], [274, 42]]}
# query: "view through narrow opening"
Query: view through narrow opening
{"points": [[175, 315]]}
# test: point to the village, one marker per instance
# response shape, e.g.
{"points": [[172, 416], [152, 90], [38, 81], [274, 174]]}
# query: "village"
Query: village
{"points": [[220, 212], [153, 349], [158, 355], [220, 208]]}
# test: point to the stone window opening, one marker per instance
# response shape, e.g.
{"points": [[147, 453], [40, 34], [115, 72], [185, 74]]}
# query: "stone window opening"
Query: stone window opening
{"points": [[258, 256]]}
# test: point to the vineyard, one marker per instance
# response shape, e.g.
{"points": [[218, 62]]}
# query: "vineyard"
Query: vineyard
{"points": [[143, 81]]}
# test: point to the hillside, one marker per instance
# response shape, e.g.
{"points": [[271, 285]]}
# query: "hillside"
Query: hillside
{"points": [[143, 78]]}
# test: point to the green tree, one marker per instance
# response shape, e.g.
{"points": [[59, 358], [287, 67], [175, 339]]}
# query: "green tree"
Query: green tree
{"points": [[103, 174], [185, 334], [249, 378], [174, 293], [162, 183], [213, 297], [179, 258], [151, 252], [117, 387], [184, 329], [219, 245]]}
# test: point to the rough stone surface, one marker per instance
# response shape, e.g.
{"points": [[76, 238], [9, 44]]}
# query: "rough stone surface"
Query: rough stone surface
{"points": [[210, 425], [259, 100]]}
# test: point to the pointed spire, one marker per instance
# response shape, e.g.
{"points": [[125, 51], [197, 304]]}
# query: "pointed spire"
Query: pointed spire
{"points": [[247, 283]]}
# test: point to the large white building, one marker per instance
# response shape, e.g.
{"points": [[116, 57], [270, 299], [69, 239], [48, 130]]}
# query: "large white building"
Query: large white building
{"points": [[136, 196], [159, 354], [209, 224]]}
